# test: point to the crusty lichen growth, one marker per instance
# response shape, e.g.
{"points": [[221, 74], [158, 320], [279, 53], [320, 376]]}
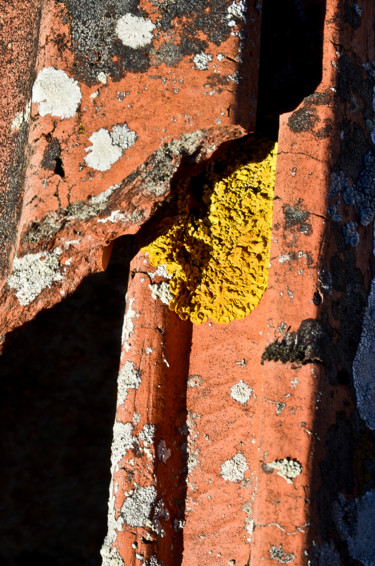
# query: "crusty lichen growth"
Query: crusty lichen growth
{"points": [[220, 259]]}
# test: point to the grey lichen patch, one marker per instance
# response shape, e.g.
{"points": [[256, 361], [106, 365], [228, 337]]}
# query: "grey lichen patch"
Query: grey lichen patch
{"points": [[364, 363], [95, 41], [355, 522], [153, 561], [277, 553], [192, 435], [33, 273], [136, 509], [128, 378], [114, 217], [241, 392], [109, 551], [21, 118], [287, 469], [249, 521], [235, 468], [167, 159], [303, 120], [201, 60], [238, 11], [102, 78], [107, 147], [80, 210], [296, 217], [160, 513], [115, 37], [310, 344], [352, 180], [325, 280], [194, 381], [147, 434], [352, 14], [351, 235], [360, 194], [280, 407], [56, 93], [306, 118], [44, 229]]}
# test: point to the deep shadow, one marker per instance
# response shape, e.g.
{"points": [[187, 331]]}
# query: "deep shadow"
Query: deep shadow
{"points": [[59, 167], [172, 428], [58, 382], [290, 57], [343, 468]]}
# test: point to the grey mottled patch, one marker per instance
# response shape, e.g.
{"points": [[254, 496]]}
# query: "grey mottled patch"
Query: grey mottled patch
{"points": [[364, 363], [277, 553], [96, 44], [296, 217]]}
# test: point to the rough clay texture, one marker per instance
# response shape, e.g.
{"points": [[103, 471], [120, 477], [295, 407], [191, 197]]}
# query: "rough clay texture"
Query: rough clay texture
{"points": [[218, 252], [17, 59], [103, 106], [217, 458]]}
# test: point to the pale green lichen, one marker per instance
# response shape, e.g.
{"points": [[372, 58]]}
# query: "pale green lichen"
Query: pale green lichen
{"points": [[220, 259]]}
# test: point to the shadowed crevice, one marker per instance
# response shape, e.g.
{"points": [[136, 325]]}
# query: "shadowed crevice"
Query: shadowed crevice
{"points": [[58, 377]]}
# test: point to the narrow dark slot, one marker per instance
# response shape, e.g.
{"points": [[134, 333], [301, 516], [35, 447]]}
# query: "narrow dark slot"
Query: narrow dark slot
{"points": [[59, 169], [290, 58]]}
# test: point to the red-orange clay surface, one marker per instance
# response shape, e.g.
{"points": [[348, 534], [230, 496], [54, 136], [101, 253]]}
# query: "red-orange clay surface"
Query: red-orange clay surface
{"points": [[221, 449]]}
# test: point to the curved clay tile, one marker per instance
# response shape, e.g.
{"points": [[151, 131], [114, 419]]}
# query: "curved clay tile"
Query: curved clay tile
{"points": [[244, 423]]}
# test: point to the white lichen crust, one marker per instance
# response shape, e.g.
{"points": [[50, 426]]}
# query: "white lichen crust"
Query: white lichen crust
{"points": [[235, 468], [286, 468], [128, 378], [56, 93], [21, 118], [237, 10], [128, 325], [137, 506], [107, 147], [33, 273], [241, 392], [201, 60], [161, 291], [110, 555], [134, 31], [123, 440]]}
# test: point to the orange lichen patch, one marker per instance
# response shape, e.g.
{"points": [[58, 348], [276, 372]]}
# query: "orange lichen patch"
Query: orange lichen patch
{"points": [[220, 262]]}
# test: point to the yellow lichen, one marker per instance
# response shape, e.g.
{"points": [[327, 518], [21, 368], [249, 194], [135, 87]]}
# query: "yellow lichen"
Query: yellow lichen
{"points": [[219, 259]]}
